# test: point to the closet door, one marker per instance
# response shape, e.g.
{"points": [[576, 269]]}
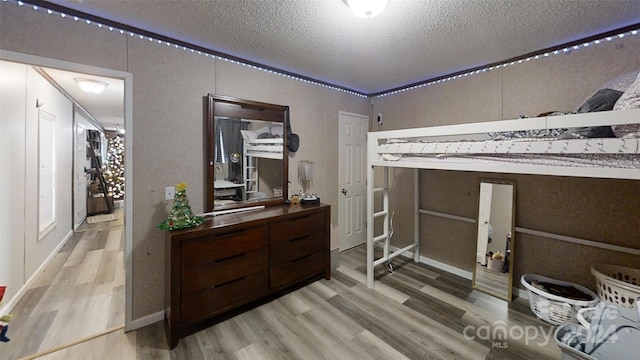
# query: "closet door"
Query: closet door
{"points": [[352, 174]]}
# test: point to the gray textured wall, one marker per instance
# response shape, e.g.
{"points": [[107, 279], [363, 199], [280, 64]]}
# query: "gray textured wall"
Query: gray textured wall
{"points": [[168, 89]]}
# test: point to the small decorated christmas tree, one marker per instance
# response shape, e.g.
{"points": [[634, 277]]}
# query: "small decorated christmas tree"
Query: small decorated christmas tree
{"points": [[181, 215]]}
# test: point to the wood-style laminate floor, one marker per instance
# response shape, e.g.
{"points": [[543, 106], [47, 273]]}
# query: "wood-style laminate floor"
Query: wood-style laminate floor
{"points": [[416, 313], [80, 293]]}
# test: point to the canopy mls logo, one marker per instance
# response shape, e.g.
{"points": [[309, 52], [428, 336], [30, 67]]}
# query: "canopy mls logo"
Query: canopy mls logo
{"points": [[499, 333]]}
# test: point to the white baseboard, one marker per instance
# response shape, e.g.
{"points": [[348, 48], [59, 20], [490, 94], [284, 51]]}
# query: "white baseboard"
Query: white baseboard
{"points": [[521, 293], [11, 303], [448, 268], [80, 221], [436, 264], [144, 321], [335, 258]]}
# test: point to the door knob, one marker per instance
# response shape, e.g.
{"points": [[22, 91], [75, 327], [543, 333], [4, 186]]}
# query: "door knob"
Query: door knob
{"points": [[344, 192]]}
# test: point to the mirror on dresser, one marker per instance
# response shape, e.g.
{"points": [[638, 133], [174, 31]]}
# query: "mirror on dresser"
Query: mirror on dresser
{"points": [[493, 268], [246, 158]]}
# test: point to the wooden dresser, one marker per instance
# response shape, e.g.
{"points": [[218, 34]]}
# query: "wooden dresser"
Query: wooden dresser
{"points": [[233, 260]]}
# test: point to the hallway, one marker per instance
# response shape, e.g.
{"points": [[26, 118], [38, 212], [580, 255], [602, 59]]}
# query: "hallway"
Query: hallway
{"points": [[79, 294]]}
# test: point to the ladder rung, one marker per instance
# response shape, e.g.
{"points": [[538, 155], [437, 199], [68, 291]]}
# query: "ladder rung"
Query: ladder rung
{"points": [[380, 213], [393, 255], [375, 190], [380, 237]]}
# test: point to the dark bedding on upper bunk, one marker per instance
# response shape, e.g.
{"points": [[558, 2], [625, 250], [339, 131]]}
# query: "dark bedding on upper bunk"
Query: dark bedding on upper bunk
{"points": [[620, 93]]}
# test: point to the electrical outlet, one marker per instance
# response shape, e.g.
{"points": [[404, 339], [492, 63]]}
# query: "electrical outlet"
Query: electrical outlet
{"points": [[379, 119], [169, 192]]}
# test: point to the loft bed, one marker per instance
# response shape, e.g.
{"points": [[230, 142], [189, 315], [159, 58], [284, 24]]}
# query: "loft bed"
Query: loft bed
{"points": [[253, 151], [547, 145], [498, 146], [264, 143]]}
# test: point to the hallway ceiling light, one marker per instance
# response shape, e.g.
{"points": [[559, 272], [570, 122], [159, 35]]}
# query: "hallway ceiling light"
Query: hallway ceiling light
{"points": [[366, 8], [91, 86]]}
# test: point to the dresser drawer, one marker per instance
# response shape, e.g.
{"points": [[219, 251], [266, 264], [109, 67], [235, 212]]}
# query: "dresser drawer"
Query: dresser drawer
{"points": [[290, 250], [222, 245], [297, 227], [216, 300], [222, 271], [297, 269]]}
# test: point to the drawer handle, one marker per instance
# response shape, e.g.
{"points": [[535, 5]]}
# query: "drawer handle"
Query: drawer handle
{"points": [[230, 233], [227, 283], [300, 259], [300, 218], [230, 258], [298, 239]]}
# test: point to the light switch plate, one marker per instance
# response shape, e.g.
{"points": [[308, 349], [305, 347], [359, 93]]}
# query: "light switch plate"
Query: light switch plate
{"points": [[169, 192]]}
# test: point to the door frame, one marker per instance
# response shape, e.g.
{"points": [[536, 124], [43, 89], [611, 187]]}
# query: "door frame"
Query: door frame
{"points": [[341, 157], [128, 146]]}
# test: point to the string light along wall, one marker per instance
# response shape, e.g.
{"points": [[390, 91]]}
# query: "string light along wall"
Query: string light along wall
{"points": [[183, 46], [543, 55], [210, 54]]}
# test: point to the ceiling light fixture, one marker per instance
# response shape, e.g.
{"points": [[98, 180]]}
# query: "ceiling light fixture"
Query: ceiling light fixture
{"points": [[366, 9], [91, 86]]}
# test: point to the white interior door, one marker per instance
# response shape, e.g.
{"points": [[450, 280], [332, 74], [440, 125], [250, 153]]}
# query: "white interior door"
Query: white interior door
{"points": [[79, 179], [352, 179], [484, 217]]}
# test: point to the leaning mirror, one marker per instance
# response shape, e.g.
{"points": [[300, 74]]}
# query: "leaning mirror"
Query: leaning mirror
{"points": [[493, 268], [245, 153]]}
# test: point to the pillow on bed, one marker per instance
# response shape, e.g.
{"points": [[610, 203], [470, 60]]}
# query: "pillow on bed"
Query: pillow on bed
{"points": [[602, 100], [629, 100]]}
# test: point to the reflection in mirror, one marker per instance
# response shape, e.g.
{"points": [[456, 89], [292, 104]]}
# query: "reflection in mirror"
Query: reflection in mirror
{"points": [[248, 160], [493, 270], [246, 155]]}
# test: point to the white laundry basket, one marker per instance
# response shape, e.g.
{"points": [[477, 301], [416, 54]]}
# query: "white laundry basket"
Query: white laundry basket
{"points": [[551, 308], [565, 332], [618, 285]]}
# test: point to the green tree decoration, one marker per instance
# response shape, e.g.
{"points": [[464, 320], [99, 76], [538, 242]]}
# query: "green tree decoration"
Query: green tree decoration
{"points": [[114, 173], [181, 215]]}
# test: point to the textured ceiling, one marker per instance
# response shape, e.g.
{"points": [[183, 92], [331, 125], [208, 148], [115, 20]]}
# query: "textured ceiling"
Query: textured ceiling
{"points": [[410, 41]]}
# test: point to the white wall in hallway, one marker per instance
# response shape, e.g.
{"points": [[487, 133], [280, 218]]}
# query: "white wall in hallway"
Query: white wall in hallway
{"points": [[23, 250], [12, 172]]}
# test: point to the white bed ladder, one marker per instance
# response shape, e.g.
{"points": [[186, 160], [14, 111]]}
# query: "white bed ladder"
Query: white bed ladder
{"points": [[372, 215], [249, 175]]}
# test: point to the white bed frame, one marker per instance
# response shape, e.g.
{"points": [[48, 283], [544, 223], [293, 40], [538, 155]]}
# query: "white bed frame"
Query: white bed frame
{"points": [[254, 149], [375, 139]]}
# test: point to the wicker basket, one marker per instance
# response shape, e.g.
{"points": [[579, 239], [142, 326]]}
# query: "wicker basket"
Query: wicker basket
{"points": [[618, 285], [554, 309]]}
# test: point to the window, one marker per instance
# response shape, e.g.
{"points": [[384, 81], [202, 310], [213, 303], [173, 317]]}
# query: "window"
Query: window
{"points": [[46, 172]]}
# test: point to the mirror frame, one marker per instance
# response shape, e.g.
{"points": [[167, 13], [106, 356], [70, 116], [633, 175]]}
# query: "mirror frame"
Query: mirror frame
{"points": [[227, 106], [509, 296]]}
